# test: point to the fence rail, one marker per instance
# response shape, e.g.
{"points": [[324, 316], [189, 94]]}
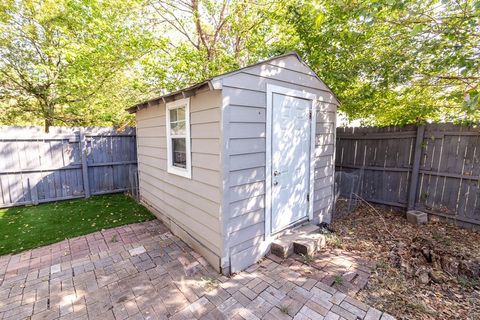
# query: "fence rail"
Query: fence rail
{"points": [[66, 163], [435, 168]]}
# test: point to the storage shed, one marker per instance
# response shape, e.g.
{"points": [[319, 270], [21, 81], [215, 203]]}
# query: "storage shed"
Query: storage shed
{"points": [[232, 161]]}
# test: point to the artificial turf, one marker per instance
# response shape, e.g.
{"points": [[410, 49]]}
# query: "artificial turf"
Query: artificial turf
{"points": [[28, 227]]}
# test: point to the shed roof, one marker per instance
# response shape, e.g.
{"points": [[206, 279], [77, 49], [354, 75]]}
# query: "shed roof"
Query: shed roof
{"points": [[210, 83]]}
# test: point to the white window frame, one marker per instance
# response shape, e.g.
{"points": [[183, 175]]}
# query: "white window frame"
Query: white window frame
{"points": [[187, 171]]}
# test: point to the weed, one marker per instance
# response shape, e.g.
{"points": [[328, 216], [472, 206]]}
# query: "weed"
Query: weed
{"points": [[338, 280], [381, 265], [334, 240], [420, 307], [424, 196], [284, 309], [442, 239], [307, 259], [468, 282], [210, 283], [114, 239]]}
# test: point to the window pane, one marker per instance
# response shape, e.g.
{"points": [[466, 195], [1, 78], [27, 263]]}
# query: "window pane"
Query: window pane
{"points": [[179, 154], [181, 114], [178, 128], [173, 115]]}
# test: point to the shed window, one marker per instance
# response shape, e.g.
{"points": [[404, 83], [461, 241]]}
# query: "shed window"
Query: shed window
{"points": [[178, 137]]}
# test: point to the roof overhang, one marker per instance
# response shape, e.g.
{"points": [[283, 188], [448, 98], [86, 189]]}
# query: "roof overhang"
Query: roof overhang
{"points": [[206, 85], [214, 83]]}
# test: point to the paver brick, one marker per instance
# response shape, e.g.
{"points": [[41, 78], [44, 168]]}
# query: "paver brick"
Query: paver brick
{"points": [[386, 316], [357, 303], [201, 307], [321, 293], [326, 288], [49, 314], [317, 307], [241, 298], [217, 296], [343, 313], [338, 297], [331, 316], [260, 287], [353, 309], [301, 316], [248, 293], [277, 314], [309, 284], [233, 311], [322, 302], [247, 314], [259, 306], [272, 295], [252, 284], [373, 314], [310, 313], [55, 269], [293, 306]]}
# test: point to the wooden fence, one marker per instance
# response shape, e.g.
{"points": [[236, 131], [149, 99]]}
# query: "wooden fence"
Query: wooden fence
{"points": [[66, 163], [434, 168]]}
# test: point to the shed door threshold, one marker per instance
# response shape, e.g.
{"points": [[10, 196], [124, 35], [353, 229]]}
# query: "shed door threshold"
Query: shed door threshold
{"points": [[286, 229]]}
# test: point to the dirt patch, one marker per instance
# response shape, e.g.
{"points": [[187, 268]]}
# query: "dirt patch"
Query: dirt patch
{"points": [[421, 272]]}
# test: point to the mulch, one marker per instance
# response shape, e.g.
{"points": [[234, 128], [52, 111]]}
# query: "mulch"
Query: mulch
{"points": [[427, 271]]}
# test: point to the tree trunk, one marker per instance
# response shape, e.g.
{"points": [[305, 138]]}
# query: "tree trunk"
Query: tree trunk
{"points": [[48, 117], [48, 124]]}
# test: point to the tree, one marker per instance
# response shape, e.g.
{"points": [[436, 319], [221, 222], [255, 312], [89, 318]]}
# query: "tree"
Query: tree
{"points": [[208, 37], [60, 61], [81, 62], [395, 62]]}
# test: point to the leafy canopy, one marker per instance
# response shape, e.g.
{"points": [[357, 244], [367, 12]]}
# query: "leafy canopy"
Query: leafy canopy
{"points": [[81, 62], [65, 62], [395, 62]]}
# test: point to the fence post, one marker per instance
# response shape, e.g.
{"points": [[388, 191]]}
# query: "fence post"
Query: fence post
{"points": [[83, 153], [416, 168]]}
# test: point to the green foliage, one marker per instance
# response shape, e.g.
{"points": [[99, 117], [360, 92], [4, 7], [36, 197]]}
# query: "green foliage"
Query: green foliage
{"points": [[395, 62], [338, 280], [81, 62], [69, 62], [209, 37], [210, 283], [284, 309], [23, 228], [114, 239], [306, 258], [333, 240], [469, 282]]}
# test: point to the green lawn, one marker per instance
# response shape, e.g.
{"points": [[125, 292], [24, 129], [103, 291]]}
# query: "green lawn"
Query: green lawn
{"points": [[23, 228]]}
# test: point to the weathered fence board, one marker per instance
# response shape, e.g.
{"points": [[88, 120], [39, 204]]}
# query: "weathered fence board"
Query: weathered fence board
{"points": [[66, 163], [435, 167]]}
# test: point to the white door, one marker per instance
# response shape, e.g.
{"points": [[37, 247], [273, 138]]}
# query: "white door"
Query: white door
{"points": [[290, 172]]}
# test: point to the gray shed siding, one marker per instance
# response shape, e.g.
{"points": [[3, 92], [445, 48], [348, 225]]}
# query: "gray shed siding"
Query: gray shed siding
{"points": [[190, 207], [244, 134], [220, 212]]}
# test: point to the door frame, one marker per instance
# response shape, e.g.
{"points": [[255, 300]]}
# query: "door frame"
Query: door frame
{"points": [[268, 152]]}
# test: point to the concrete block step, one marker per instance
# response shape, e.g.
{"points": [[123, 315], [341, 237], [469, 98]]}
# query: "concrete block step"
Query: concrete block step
{"points": [[282, 248], [307, 238], [309, 244]]}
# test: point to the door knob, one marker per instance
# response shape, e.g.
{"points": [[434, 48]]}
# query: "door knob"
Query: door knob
{"points": [[276, 173], [275, 183]]}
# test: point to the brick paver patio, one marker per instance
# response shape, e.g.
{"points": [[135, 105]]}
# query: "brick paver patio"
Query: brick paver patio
{"points": [[142, 271], [334, 267]]}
